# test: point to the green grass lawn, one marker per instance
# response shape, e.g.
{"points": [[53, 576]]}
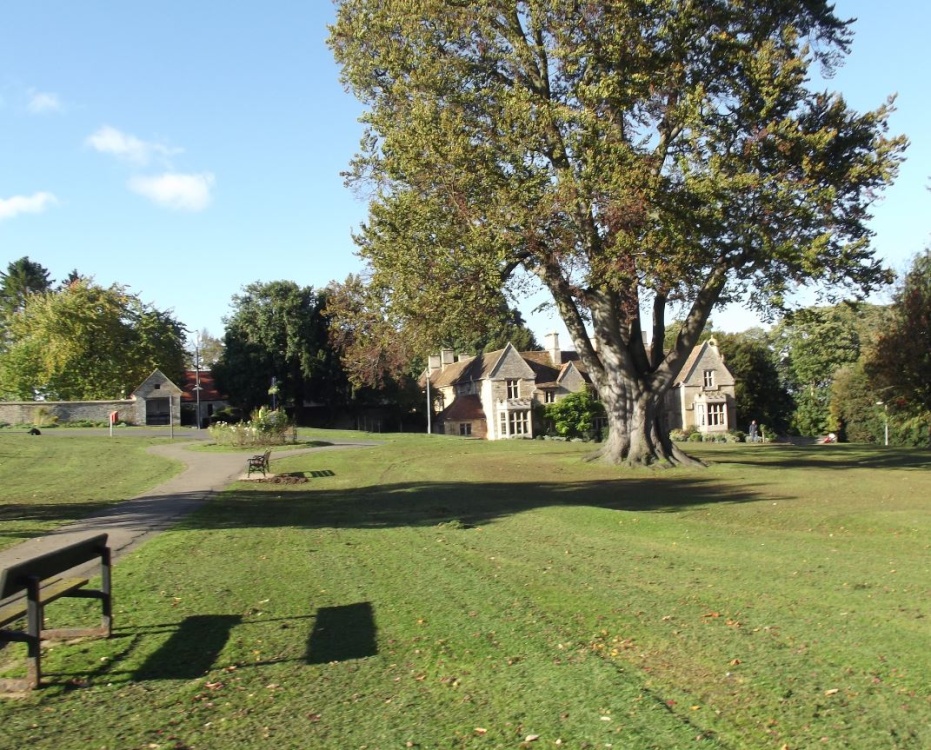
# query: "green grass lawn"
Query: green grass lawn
{"points": [[55, 479], [442, 593]]}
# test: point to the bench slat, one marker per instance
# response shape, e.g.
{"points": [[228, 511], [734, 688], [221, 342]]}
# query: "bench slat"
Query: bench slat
{"points": [[49, 592], [13, 579]]}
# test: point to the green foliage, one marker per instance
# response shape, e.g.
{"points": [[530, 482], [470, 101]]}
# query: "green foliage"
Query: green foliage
{"points": [[812, 345], [575, 415], [900, 365], [265, 427], [278, 334], [911, 430], [21, 278], [87, 342], [759, 391], [42, 417], [616, 153], [855, 415]]}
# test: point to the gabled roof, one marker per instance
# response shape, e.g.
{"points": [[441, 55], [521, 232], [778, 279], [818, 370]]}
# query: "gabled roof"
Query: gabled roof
{"points": [[156, 379], [694, 358], [208, 389], [464, 409], [486, 365], [510, 354]]}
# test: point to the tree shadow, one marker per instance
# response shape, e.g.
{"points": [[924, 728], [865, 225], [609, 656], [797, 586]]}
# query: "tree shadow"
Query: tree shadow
{"points": [[468, 504], [833, 456], [343, 633]]}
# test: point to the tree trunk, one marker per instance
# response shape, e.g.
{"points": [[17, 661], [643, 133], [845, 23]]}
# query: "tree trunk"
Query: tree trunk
{"points": [[636, 435]]}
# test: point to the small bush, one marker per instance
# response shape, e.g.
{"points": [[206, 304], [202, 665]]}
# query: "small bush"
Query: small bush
{"points": [[694, 437], [267, 427]]}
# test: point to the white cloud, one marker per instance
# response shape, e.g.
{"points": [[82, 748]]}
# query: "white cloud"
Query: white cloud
{"points": [[108, 140], [23, 204], [42, 102], [182, 192]]}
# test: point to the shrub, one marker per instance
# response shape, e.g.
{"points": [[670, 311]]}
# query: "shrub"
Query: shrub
{"points": [[266, 427], [42, 417], [574, 416], [694, 437]]}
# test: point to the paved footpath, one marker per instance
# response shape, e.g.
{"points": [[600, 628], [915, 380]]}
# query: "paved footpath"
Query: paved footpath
{"points": [[131, 523]]}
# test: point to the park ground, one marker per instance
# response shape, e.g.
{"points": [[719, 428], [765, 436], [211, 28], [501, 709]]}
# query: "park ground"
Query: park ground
{"points": [[435, 592]]}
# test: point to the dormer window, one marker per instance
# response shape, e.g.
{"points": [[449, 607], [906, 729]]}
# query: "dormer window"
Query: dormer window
{"points": [[513, 388], [709, 378]]}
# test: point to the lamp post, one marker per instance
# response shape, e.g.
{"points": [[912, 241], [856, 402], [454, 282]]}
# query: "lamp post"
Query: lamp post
{"points": [[885, 407], [429, 405], [197, 388]]}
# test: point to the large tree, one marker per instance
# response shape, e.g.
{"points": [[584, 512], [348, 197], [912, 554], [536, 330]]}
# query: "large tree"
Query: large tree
{"points": [[900, 365], [811, 346], [87, 342], [276, 345], [759, 392], [21, 278], [628, 155]]}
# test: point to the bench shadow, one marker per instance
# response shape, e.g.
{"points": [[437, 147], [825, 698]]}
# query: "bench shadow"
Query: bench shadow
{"points": [[343, 633], [191, 650]]}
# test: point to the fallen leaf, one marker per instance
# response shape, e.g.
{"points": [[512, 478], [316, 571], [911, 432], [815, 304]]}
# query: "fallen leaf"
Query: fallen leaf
{"points": [[832, 691]]}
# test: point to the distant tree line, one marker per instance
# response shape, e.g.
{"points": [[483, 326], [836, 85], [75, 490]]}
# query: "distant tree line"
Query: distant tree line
{"points": [[851, 369]]}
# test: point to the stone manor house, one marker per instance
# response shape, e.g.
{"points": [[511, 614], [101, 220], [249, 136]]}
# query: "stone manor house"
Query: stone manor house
{"points": [[493, 395]]}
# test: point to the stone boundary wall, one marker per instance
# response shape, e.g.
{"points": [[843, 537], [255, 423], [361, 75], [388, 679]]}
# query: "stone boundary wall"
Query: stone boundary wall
{"points": [[26, 412]]}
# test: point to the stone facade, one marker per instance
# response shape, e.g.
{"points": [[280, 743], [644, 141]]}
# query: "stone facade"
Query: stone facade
{"points": [[492, 396]]}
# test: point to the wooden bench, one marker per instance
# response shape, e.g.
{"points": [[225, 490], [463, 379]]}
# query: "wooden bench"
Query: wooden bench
{"points": [[259, 462], [28, 586]]}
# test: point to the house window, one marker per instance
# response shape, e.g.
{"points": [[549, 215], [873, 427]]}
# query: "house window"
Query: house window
{"points": [[700, 414], [716, 415], [519, 422], [503, 424], [549, 397], [513, 388], [709, 378], [465, 429]]}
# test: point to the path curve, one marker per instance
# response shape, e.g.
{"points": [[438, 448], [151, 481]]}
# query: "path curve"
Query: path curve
{"points": [[134, 521]]}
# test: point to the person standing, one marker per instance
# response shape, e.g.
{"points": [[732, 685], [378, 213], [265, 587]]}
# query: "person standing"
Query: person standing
{"points": [[754, 432]]}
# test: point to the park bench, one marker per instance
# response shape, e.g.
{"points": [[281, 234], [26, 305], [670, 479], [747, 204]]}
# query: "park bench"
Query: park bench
{"points": [[28, 586], [259, 462]]}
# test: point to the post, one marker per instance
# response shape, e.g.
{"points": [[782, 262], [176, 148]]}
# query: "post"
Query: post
{"points": [[885, 407], [197, 386], [171, 421], [429, 405]]}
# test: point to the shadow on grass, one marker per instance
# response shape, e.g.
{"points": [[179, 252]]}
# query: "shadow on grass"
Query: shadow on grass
{"points": [[466, 504], [343, 633], [191, 650], [834, 456]]}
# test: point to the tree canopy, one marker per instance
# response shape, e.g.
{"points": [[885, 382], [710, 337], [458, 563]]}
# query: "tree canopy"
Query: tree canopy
{"points": [[626, 155], [21, 278], [86, 342], [276, 343], [900, 365]]}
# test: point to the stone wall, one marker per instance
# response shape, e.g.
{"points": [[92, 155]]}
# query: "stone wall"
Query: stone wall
{"points": [[27, 412]]}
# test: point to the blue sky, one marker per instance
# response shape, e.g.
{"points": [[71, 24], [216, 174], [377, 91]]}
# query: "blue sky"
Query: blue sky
{"points": [[188, 149]]}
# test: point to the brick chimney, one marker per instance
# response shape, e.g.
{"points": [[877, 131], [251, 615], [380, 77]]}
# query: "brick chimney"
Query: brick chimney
{"points": [[447, 357]]}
